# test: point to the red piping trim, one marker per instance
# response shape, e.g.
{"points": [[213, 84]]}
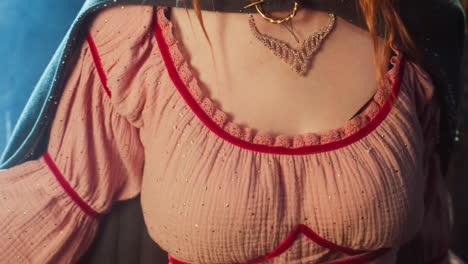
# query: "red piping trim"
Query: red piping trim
{"points": [[301, 228], [98, 64], [68, 189], [176, 261], [308, 232], [355, 260], [176, 79]]}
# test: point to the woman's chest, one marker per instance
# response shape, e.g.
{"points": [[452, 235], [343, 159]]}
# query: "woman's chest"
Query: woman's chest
{"points": [[207, 200]]}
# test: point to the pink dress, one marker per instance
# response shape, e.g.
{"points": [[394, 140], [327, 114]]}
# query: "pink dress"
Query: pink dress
{"points": [[133, 120]]}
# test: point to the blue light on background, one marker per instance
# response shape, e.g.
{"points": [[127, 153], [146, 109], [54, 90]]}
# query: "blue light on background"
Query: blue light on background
{"points": [[30, 33]]}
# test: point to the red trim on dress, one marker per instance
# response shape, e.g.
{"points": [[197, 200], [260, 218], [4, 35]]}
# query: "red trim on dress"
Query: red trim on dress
{"points": [[301, 228], [68, 189], [355, 260], [213, 126], [98, 64], [308, 232]]}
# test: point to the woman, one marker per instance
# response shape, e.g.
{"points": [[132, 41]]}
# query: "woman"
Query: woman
{"points": [[327, 181]]}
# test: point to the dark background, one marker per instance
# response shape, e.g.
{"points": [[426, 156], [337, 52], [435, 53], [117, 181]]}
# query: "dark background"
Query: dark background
{"points": [[30, 35]]}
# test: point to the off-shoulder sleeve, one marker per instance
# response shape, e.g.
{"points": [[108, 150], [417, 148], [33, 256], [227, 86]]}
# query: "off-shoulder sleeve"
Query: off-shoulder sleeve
{"points": [[133, 71], [50, 207], [435, 231]]}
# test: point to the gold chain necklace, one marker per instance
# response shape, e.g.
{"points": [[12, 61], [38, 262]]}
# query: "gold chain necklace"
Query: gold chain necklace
{"points": [[298, 59]]}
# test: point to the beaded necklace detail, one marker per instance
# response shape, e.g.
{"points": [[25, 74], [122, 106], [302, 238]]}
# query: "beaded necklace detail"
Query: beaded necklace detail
{"points": [[298, 59]]}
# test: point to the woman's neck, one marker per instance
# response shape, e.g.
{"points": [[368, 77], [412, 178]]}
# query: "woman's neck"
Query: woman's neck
{"points": [[304, 23]]}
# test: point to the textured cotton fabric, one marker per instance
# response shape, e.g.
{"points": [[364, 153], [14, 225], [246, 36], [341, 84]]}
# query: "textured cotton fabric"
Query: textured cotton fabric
{"points": [[134, 120]]}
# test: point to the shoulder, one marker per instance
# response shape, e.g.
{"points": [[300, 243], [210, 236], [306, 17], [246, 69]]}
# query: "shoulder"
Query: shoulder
{"points": [[124, 51], [126, 25]]}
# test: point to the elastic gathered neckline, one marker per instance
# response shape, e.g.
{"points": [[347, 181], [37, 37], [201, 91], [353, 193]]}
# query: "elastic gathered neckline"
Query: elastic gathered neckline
{"points": [[223, 125]]}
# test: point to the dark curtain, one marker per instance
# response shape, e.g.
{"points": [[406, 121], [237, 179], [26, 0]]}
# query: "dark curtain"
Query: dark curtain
{"points": [[122, 238]]}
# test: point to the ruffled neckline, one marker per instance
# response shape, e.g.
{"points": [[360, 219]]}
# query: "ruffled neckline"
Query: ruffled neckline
{"points": [[357, 127]]}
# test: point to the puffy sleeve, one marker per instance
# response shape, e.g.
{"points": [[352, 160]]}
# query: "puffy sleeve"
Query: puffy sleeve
{"points": [[432, 242], [50, 207]]}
